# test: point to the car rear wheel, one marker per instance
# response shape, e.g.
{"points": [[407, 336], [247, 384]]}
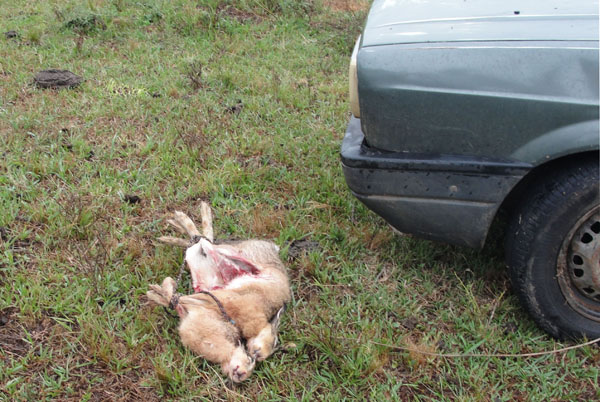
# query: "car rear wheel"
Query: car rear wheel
{"points": [[553, 252]]}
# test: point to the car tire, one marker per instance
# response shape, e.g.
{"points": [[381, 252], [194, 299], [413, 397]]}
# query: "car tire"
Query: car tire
{"points": [[553, 252]]}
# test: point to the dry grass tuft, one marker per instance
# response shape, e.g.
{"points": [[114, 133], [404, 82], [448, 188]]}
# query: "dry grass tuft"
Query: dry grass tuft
{"points": [[417, 360], [266, 222], [194, 75]]}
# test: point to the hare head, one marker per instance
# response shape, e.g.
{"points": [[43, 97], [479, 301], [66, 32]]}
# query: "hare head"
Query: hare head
{"points": [[240, 366], [265, 343]]}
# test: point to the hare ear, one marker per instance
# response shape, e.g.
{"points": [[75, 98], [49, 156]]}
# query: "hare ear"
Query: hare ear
{"points": [[174, 241], [239, 262], [276, 320]]}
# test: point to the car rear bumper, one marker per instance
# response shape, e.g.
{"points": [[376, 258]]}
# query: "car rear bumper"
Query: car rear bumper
{"points": [[440, 197]]}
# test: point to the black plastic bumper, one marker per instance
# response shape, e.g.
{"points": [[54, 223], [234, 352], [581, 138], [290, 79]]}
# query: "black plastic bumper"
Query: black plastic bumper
{"points": [[440, 197]]}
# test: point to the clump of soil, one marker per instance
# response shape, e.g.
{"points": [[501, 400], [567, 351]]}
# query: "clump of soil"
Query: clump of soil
{"points": [[85, 24], [57, 79], [11, 35], [132, 199], [237, 14], [237, 108], [300, 247]]}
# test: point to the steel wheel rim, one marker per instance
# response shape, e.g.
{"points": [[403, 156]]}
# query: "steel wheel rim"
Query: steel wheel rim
{"points": [[578, 266]]}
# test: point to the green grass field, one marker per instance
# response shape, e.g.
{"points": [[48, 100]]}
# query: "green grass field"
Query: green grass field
{"points": [[242, 104]]}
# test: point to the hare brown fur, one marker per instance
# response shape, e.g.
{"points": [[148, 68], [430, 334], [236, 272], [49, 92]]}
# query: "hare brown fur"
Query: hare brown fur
{"points": [[247, 278]]}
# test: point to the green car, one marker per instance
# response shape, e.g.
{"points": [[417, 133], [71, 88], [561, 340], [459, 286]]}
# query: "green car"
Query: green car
{"points": [[464, 109]]}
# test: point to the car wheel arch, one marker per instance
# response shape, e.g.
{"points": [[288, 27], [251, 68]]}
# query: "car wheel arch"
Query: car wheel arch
{"points": [[516, 195], [569, 140]]}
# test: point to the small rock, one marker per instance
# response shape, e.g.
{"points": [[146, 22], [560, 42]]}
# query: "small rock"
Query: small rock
{"points": [[57, 79]]}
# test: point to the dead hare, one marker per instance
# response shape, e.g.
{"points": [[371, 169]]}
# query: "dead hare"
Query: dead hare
{"points": [[241, 290]]}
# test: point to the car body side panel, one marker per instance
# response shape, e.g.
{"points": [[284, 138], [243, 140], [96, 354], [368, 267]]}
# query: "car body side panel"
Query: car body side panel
{"points": [[431, 98]]}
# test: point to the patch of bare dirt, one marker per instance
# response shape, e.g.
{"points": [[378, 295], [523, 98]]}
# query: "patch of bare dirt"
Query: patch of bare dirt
{"points": [[346, 5], [236, 14], [12, 344]]}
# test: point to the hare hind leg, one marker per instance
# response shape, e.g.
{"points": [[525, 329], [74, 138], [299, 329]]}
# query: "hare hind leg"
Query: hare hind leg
{"points": [[183, 224], [206, 334]]}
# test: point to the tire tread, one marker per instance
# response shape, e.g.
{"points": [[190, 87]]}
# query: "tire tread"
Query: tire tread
{"points": [[524, 228]]}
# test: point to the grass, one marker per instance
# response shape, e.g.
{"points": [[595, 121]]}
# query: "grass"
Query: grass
{"points": [[242, 104]]}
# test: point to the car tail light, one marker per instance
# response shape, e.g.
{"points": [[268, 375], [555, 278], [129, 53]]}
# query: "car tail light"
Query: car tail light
{"points": [[354, 106]]}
